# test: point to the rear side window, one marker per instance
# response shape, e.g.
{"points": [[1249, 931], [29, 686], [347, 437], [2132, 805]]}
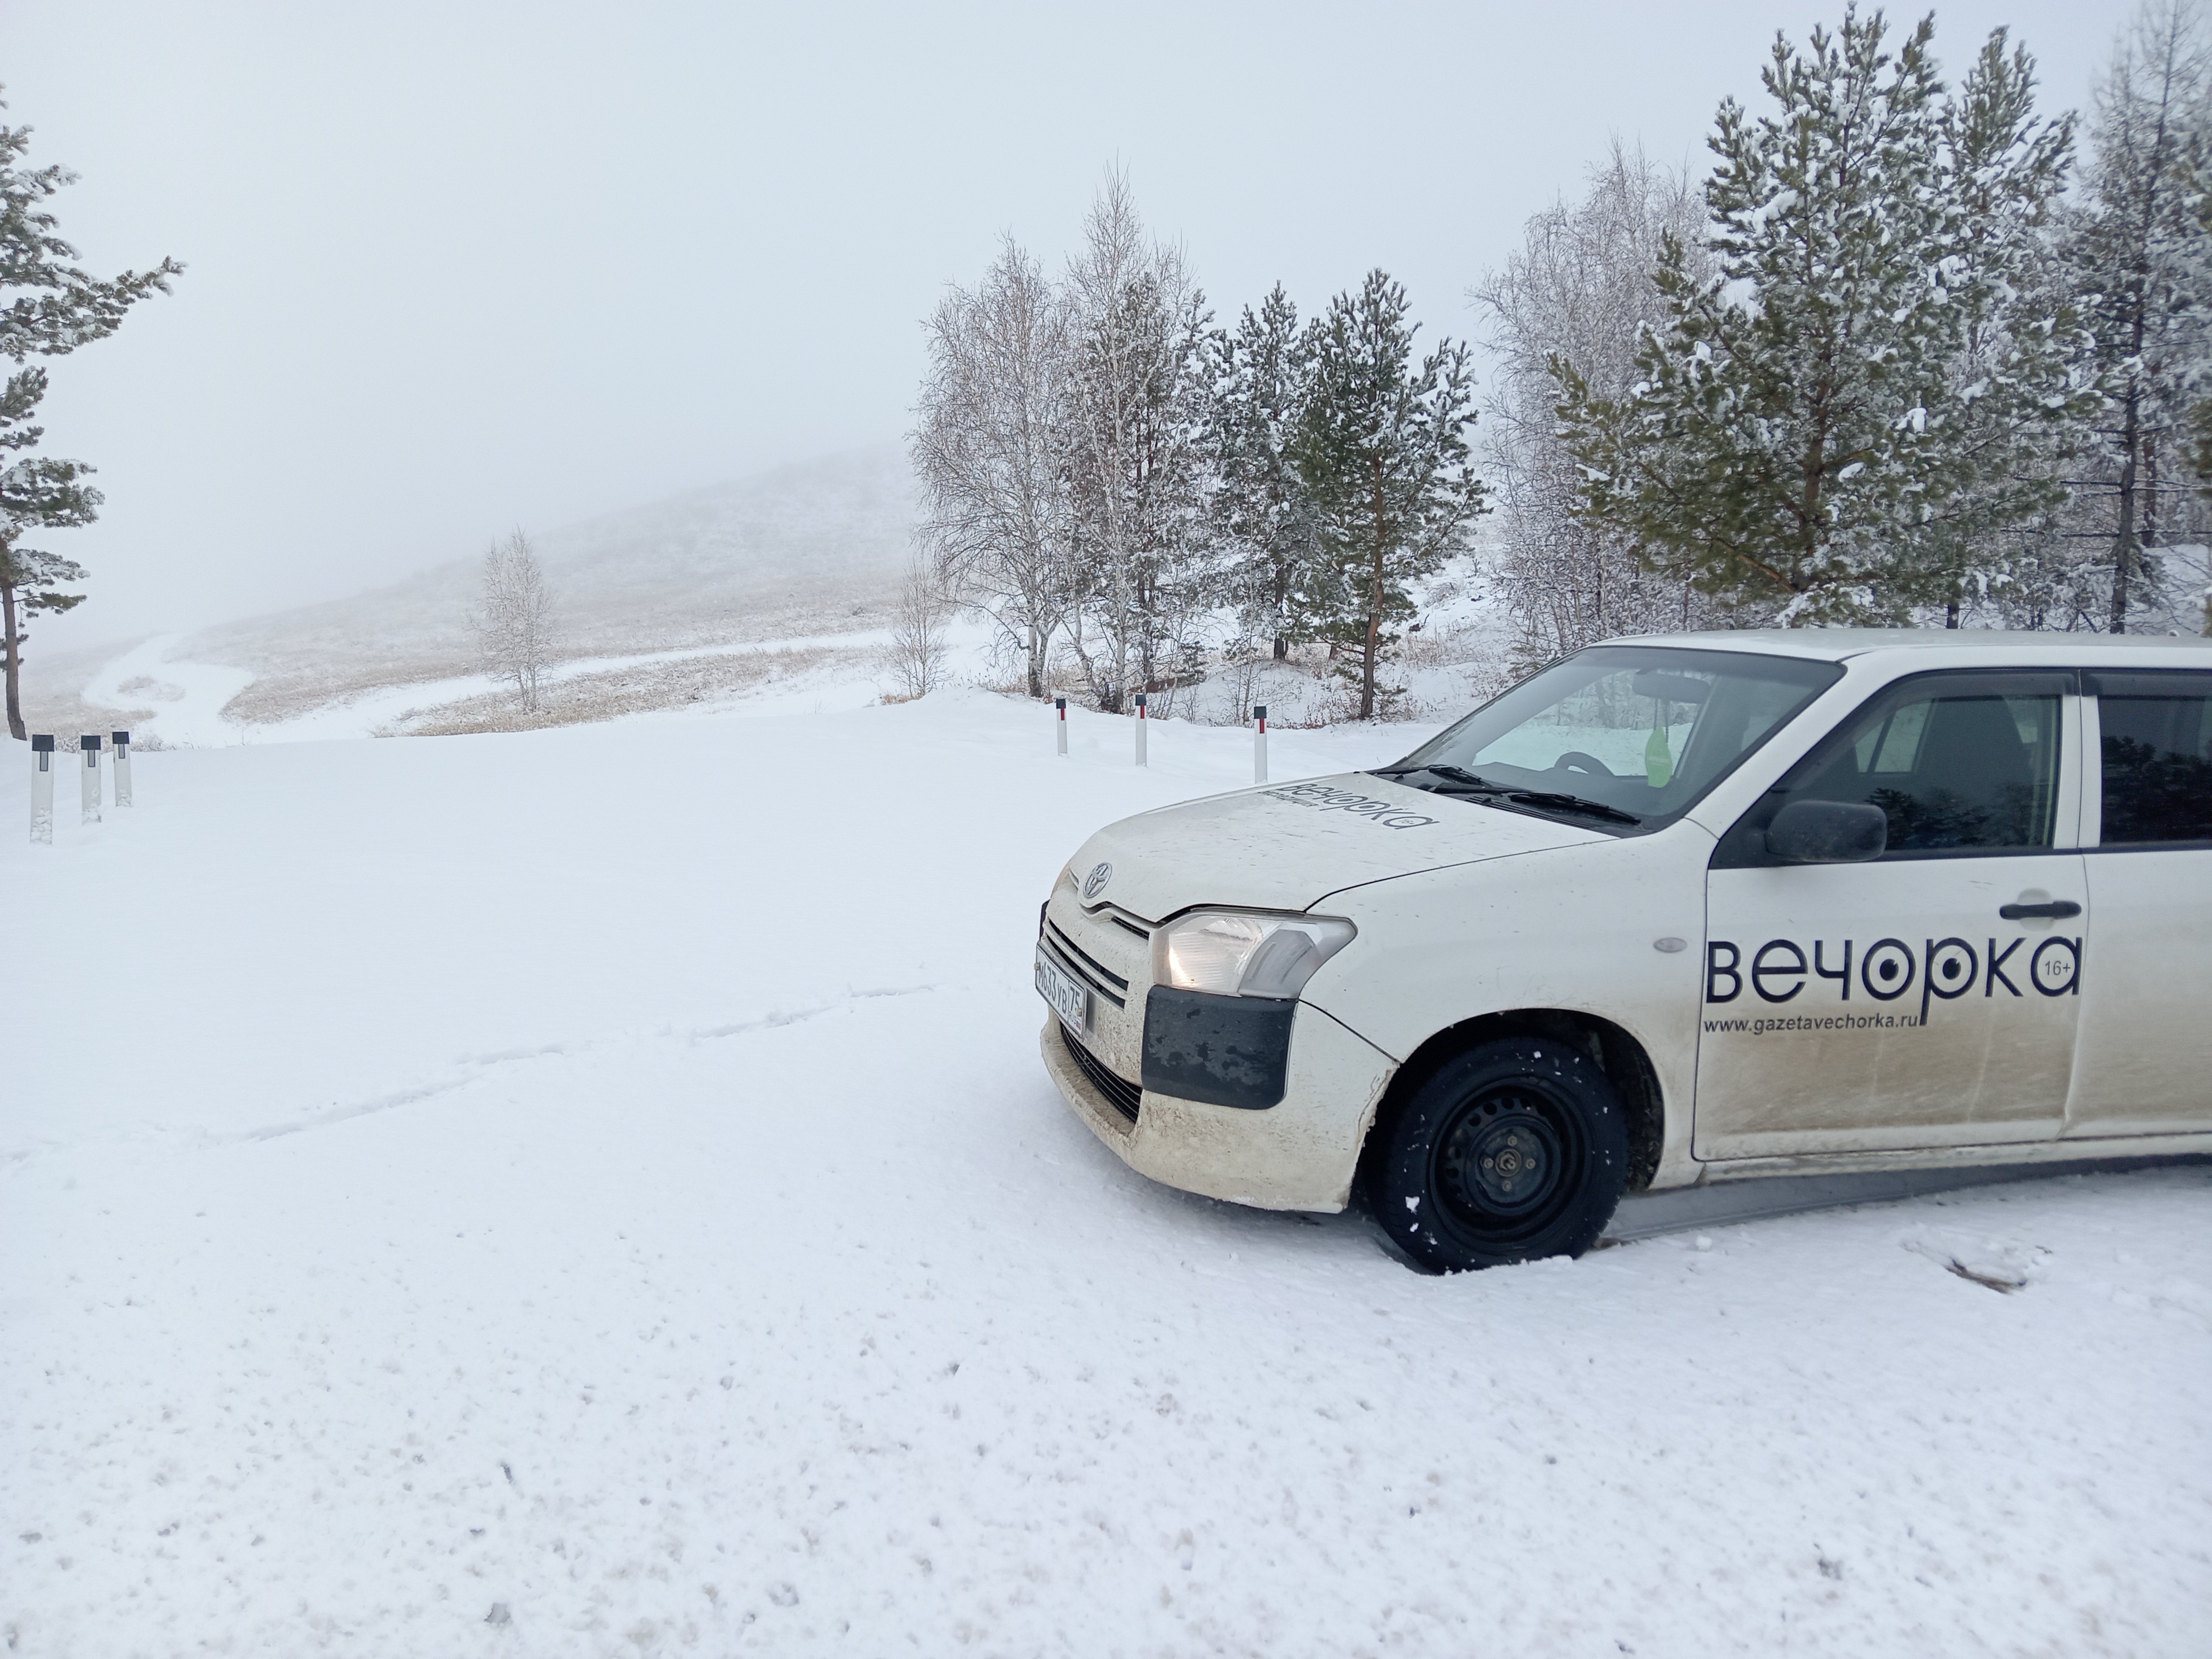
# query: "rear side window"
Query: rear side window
{"points": [[2157, 763], [1961, 765]]}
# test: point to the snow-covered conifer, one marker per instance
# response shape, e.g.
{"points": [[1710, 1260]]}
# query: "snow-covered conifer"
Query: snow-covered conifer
{"points": [[1260, 510], [1382, 452], [48, 307], [1802, 435], [37, 493]]}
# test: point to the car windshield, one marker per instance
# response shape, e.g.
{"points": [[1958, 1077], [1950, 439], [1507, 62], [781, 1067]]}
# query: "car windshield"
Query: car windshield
{"points": [[1623, 739]]}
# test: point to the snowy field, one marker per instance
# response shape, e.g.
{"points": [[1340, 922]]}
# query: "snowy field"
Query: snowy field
{"points": [[595, 1191]]}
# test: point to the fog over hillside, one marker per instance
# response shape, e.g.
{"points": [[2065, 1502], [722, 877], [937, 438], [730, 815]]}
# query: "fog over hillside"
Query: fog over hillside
{"points": [[811, 548]]}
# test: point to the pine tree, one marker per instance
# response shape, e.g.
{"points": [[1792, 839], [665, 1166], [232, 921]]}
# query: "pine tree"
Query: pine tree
{"points": [[1802, 435], [2140, 256], [1383, 452], [2021, 410], [48, 307], [37, 493], [1261, 512]]}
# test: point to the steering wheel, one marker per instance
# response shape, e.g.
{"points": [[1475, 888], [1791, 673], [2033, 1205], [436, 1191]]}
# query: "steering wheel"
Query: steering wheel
{"points": [[1575, 761]]}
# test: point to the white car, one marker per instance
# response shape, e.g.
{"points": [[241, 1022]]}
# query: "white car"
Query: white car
{"points": [[1673, 910]]}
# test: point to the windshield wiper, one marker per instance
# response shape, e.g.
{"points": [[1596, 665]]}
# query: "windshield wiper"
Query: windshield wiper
{"points": [[1467, 782], [1571, 804], [1459, 775]]}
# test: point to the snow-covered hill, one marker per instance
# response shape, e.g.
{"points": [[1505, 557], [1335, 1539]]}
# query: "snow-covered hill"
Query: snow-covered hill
{"points": [[595, 1191], [810, 549]]}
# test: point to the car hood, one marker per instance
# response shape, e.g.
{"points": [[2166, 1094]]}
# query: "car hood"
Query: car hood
{"points": [[1285, 846]]}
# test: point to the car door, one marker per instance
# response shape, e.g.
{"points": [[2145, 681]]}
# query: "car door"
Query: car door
{"points": [[2145, 1060], [1928, 996]]}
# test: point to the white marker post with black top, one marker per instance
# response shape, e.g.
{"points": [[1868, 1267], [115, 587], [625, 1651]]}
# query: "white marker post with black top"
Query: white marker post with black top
{"points": [[42, 788], [1260, 742], [1141, 729], [88, 745], [1059, 722], [122, 741]]}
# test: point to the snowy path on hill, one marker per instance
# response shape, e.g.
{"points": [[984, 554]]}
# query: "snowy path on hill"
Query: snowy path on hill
{"points": [[188, 698], [593, 1192]]}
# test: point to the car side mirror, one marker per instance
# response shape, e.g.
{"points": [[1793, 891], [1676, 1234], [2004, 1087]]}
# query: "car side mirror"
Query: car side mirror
{"points": [[1828, 832]]}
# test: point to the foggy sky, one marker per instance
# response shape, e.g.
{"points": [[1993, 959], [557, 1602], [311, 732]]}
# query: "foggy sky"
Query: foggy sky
{"points": [[459, 267]]}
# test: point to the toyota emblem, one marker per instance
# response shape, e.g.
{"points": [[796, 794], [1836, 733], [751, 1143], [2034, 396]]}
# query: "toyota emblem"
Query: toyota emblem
{"points": [[1094, 883]]}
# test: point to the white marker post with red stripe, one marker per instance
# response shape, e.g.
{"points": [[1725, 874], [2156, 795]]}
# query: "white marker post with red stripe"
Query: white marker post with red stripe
{"points": [[1260, 742], [1059, 722], [42, 788], [1140, 728]]}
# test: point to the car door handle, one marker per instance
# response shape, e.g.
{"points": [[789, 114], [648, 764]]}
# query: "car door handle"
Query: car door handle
{"points": [[2057, 908]]}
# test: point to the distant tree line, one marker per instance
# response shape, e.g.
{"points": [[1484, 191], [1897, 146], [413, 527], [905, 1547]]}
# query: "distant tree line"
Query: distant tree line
{"points": [[1107, 472], [1904, 356], [1909, 352]]}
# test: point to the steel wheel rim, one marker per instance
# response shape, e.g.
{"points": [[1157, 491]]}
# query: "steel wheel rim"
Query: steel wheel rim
{"points": [[1504, 1165]]}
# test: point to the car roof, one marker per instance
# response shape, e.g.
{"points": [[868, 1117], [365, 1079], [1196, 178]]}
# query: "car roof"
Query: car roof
{"points": [[1838, 644]]}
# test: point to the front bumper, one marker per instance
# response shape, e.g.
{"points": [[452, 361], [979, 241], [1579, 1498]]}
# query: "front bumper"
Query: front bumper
{"points": [[1299, 1154]]}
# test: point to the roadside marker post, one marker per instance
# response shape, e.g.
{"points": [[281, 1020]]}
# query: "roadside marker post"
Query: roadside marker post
{"points": [[42, 788], [1059, 722], [1140, 730], [1260, 742], [89, 744], [122, 741]]}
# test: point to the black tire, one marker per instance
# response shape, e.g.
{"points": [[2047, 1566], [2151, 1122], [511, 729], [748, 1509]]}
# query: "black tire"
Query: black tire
{"points": [[1450, 1181]]}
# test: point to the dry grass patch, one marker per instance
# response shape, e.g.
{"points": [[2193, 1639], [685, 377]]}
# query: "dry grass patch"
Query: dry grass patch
{"points": [[585, 699]]}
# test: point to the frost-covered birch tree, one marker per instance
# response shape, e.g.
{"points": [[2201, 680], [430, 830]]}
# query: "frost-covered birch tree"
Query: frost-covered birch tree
{"points": [[1579, 291], [1136, 413], [915, 656], [990, 451], [514, 620], [1800, 435]]}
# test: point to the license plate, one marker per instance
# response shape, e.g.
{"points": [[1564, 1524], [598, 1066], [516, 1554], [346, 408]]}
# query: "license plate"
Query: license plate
{"points": [[1070, 999]]}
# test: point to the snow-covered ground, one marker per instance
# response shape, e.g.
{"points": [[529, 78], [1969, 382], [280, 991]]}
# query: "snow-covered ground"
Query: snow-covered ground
{"points": [[594, 1191]]}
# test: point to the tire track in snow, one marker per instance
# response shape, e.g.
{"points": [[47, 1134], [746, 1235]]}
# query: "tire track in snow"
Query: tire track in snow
{"points": [[773, 1020], [478, 1065]]}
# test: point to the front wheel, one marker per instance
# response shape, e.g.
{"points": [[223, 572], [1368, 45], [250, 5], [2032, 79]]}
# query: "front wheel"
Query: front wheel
{"points": [[1514, 1150]]}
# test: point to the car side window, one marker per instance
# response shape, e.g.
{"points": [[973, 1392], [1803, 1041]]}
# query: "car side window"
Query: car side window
{"points": [[1960, 763], [2156, 735]]}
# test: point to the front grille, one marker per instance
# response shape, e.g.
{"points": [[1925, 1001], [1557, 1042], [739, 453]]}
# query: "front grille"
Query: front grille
{"points": [[1122, 1094], [1086, 967]]}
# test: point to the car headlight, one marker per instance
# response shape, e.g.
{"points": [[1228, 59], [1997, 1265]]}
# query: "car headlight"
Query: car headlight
{"points": [[1236, 953]]}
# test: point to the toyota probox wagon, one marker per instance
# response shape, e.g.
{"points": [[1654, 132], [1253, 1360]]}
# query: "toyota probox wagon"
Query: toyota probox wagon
{"points": [[1672, 910]]}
